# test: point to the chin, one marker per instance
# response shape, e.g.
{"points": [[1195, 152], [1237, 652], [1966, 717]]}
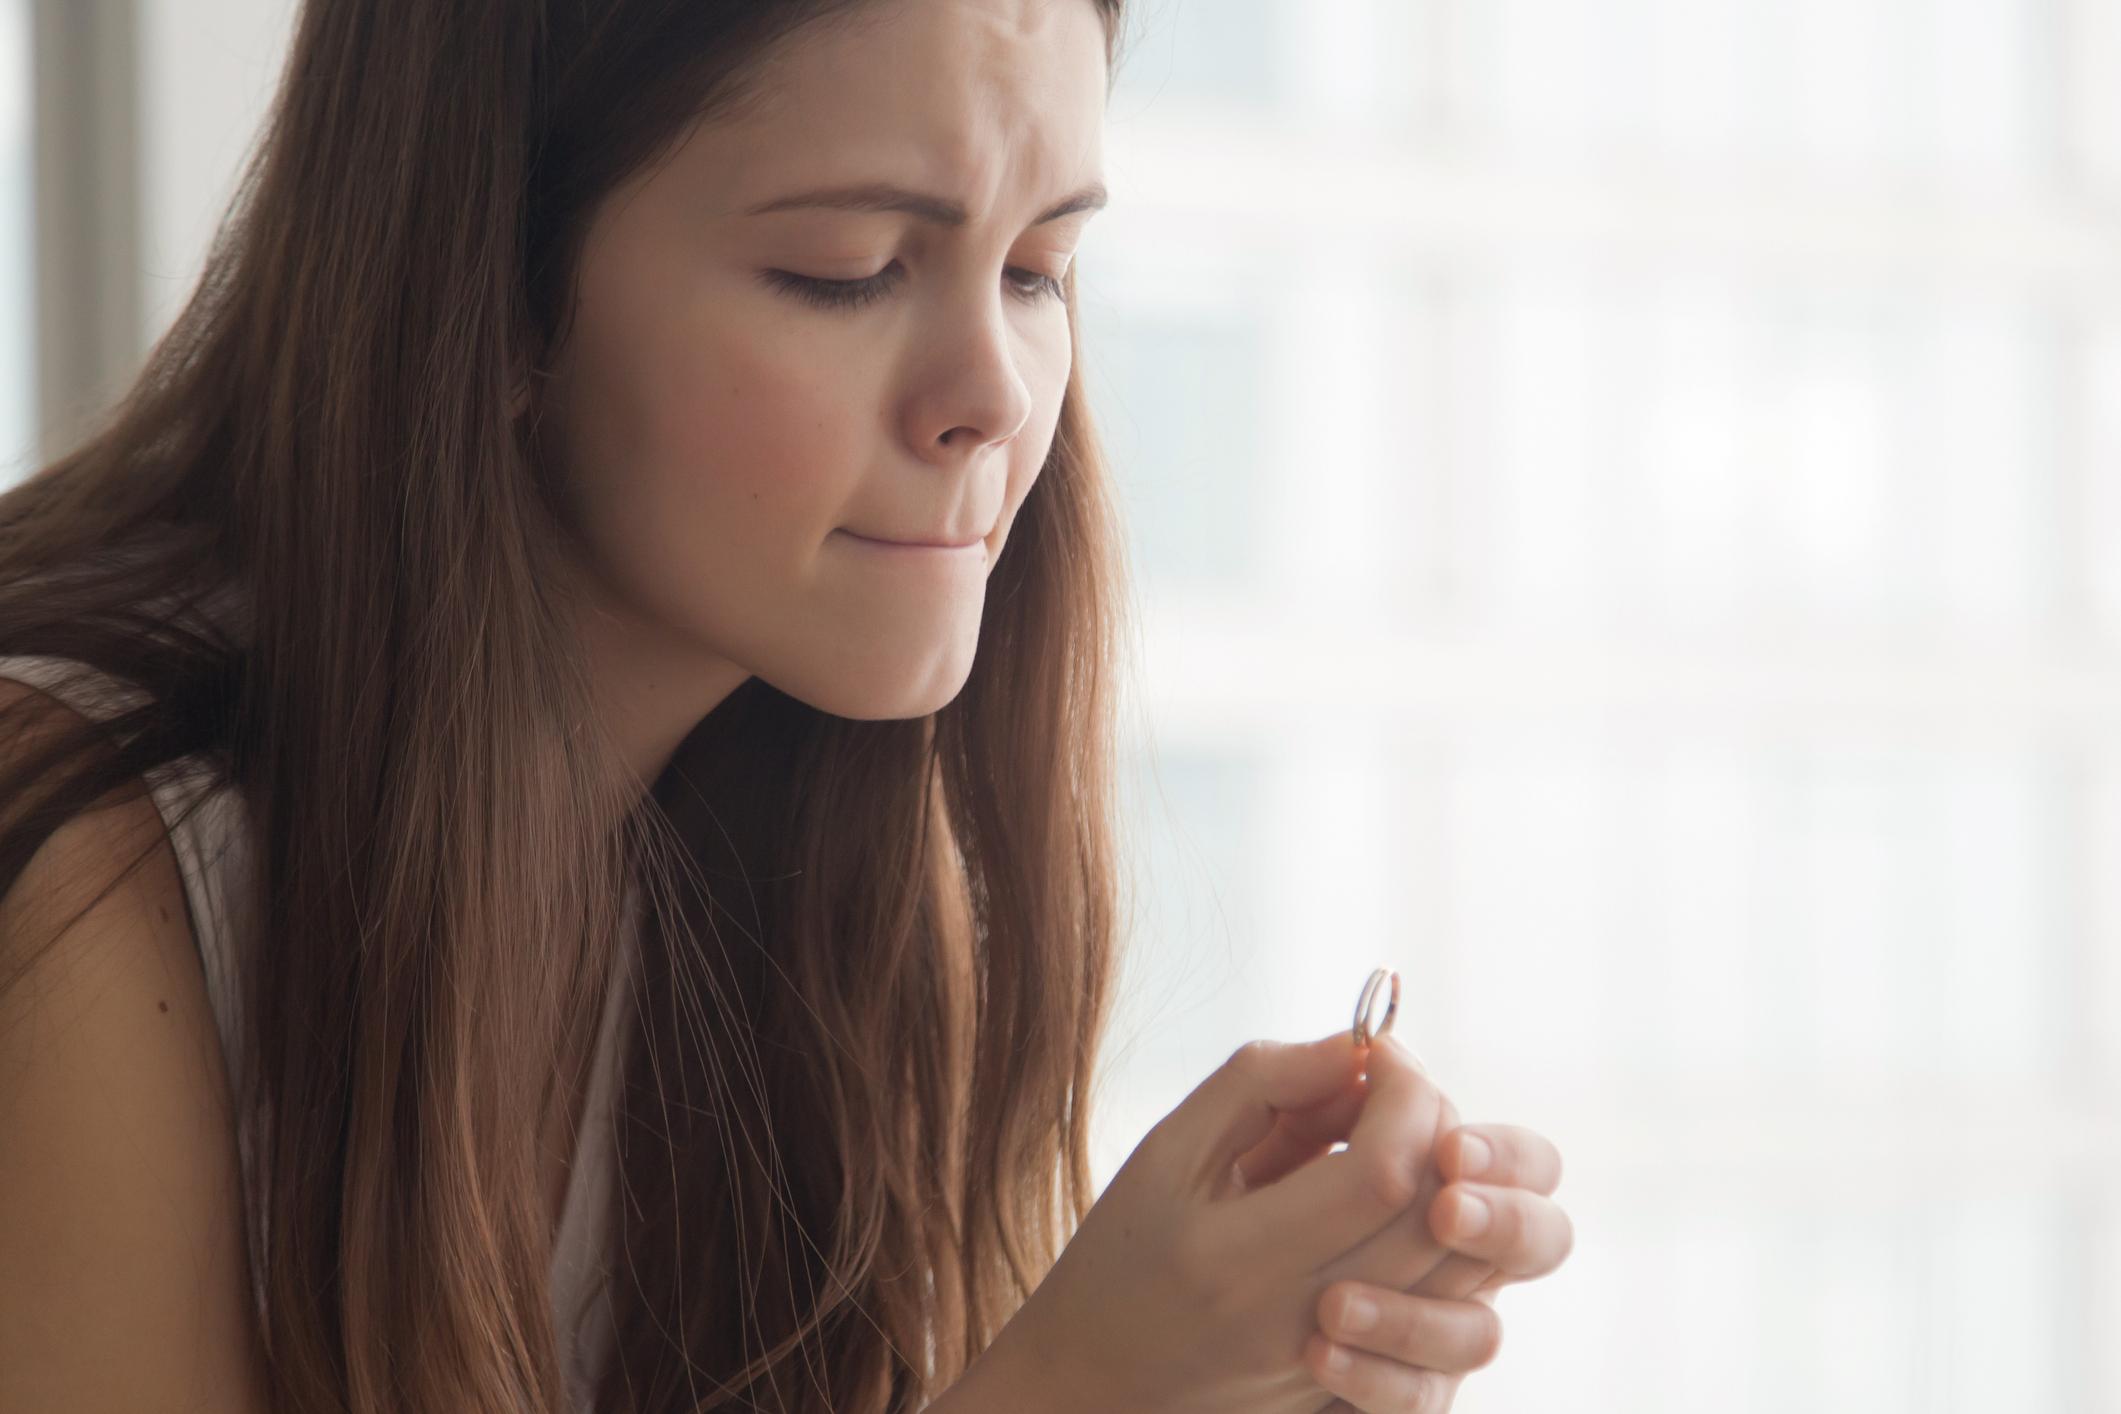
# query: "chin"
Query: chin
{"points": [[877, 702]]}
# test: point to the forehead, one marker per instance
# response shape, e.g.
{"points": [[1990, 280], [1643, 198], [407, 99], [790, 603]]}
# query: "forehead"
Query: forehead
{"points": [[988, 100]]}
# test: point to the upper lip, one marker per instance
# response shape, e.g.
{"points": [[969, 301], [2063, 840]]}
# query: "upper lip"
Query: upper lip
{"points": [[938, 541]]}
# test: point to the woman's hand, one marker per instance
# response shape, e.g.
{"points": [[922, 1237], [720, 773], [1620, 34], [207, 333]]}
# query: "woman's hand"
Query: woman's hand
{"points": [[1425, 1341], [1187, 1289], [1428, 1337]]}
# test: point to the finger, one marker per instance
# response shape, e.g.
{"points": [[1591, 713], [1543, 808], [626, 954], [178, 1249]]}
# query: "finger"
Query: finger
{"points": [[1343, 1198], [1457, 1277], [1300, 1136], [1405, 1255], [1237, 1105], [1519, 1157], [1514, 1155], [1456, 1337], [1524, 1234], [1373, 1384]]}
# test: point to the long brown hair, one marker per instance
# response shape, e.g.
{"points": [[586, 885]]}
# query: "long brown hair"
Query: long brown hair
{"points": [[875, 958]]}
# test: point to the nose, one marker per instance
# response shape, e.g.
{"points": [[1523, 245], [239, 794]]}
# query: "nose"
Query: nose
{"points": [[975, 397]]}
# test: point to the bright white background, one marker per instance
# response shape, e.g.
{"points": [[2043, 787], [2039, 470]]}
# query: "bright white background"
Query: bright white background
{"points": [[1627, 502], [1630, 499]]}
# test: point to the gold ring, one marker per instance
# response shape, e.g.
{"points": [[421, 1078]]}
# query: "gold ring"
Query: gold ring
{"points": [[1363, 1034]]}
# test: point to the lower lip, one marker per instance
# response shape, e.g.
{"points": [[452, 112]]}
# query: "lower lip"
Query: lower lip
{"points": [[898, 547]]}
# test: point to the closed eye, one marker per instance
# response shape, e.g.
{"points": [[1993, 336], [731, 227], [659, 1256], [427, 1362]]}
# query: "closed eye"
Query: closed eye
{"points": [[1029, 285]]}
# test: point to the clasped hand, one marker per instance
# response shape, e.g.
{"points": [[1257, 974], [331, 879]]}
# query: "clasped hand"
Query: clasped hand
{"points": [[1482, 1218]]}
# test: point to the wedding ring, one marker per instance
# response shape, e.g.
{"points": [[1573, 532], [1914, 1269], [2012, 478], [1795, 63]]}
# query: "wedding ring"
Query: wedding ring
{"points": [[1363, 1033]]}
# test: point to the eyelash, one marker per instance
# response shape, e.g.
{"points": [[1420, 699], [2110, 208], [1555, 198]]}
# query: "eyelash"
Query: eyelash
{"points": [[852, 294]]}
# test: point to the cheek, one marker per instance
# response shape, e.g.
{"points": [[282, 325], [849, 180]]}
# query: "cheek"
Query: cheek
{"points": [[708, 439], [758, 441]]}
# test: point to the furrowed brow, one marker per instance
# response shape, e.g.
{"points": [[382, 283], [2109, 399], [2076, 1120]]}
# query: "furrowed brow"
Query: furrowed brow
{"points": [[940, 211]]}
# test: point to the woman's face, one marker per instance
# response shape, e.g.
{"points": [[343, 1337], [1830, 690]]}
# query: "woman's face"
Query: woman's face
{"points": [[727, 441]]}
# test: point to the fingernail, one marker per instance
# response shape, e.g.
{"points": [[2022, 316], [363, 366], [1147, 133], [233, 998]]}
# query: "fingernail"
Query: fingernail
{"points": [[1474, 1156], [1472, 1217], [1358, 1314]]}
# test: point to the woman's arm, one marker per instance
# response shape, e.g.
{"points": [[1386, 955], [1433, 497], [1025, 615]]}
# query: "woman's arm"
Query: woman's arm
{"points": [[1005, 1379], [124, 1280]]}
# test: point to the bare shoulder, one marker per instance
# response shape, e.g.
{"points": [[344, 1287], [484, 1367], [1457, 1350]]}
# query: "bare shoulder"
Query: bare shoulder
{"points": [[124, 1282]]}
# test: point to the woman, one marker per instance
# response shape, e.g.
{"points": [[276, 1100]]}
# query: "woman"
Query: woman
{"points": [[657, 922]]}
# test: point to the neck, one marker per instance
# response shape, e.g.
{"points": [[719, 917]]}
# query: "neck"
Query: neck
{"points": [[652, 685]]}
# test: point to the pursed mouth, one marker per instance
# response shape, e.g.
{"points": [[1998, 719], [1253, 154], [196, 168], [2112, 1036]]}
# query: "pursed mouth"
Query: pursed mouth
{"points": [[915, 544]]}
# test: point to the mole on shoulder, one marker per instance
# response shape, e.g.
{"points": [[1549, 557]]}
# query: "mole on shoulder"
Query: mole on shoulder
{"points": [[162, 912], [163, 1005]]}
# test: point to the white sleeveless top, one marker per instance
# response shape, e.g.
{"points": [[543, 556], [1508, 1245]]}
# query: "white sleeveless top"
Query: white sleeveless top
{"points": [[215, 854]]}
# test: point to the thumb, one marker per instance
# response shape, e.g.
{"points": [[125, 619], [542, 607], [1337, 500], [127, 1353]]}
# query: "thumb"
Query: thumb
{"points": [[1235, 1107]]}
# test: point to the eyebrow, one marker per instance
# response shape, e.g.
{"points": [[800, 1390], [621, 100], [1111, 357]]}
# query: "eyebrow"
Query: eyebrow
{"points": [[878, 196]]}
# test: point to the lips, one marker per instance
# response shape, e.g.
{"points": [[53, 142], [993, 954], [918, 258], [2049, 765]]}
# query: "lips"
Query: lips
{"points": [[936, 542]]}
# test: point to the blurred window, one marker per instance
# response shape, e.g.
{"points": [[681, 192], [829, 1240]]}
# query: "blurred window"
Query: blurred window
{"points": [[18, 327], [1626, 498]]}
